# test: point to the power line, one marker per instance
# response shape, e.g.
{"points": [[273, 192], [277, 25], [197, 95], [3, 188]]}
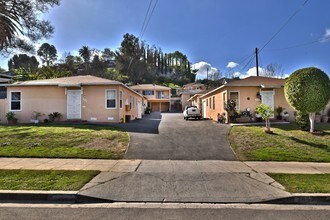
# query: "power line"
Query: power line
{"points": [[248, 63], [152, 11], [144, 26], [240, 63], [145, 18], [300, 45], [283, 26]]}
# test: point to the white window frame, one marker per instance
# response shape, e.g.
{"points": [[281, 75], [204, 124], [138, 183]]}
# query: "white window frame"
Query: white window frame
{"points": [[239, 99], [10, 100], [121, 98], [106, 99]]}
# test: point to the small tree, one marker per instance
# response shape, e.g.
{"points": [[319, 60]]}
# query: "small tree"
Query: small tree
{"points": [[265, 111], [230, 107], [308, 91]]}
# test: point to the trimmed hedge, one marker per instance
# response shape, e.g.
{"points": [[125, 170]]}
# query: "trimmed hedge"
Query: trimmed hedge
{"points": [[308, 90]]}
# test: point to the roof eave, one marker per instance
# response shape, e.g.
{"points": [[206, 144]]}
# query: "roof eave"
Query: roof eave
{"points": [[214, 90]]}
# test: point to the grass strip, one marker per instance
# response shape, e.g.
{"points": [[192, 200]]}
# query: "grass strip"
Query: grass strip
{"points": [[45, 179], [303, 183]]}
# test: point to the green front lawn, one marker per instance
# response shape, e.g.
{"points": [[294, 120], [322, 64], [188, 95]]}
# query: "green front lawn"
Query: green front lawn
{"points": [[45, 179], [303, 183], [288, 143], [63, 141]]}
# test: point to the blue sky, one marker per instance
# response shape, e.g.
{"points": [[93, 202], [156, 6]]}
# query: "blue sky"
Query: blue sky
{"points": [[214, 31]]}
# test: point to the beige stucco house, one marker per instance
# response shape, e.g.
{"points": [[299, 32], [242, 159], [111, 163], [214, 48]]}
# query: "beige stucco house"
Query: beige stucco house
{"points": [[158, 97], [196, 100], [85, 98], [248, 94], [4, 80], [189, 90]]}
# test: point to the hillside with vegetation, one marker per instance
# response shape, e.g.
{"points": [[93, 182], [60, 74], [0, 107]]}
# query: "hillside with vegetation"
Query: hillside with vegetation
{"points": [[133, 62]]}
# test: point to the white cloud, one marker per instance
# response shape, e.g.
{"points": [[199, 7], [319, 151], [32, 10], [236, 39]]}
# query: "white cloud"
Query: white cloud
{"points": [[253, 72], [232, 64], [236, 74], [326, 36], [204, 68]]}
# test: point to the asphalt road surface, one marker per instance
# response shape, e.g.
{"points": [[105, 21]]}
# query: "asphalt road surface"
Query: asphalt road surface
{"points": [[167, 136], [159, 211]]}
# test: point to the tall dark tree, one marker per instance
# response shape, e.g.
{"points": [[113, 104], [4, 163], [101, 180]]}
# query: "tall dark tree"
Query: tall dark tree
{"points": [[23, 61], [143, 63], [98, 66], [21, 17], [47, 53], [129, 58], [107, 54]]}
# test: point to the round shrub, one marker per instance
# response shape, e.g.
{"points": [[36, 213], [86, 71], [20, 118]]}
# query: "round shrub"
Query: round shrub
{"points": [[308, 90]]}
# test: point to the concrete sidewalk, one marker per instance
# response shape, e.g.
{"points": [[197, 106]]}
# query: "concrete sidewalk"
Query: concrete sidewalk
{"points": [[160, 166], [175, 181]]}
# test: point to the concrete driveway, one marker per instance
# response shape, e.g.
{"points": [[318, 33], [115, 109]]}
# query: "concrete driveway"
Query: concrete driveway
{"points": [[167, 136]]}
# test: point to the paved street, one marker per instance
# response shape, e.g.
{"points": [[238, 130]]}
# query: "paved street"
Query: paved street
{"points": [[162, 211], [169, 137]]}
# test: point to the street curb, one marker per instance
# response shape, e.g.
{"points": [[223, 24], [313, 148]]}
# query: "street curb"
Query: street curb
{"points": [[48, 197], [74, 197], [301, 200]]}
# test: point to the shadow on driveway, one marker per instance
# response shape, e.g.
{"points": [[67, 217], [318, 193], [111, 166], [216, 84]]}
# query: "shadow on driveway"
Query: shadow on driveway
{"points": [[148, 124]]}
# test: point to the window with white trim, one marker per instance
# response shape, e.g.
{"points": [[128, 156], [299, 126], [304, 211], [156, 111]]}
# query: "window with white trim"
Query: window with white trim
{"points": [[15, 101], [120, 99], [111, 98], [133, 102]]}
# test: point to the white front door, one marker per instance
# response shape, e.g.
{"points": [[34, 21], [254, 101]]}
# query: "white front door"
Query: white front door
{"points": [[267, 98], [74, 104], [204, 109], [139, 110]]}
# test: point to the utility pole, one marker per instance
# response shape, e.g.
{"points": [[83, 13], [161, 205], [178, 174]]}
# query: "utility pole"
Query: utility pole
{"points": [[257, 61], [207, 73]]}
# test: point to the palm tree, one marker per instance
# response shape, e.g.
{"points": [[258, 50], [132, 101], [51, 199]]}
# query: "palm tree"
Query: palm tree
{"points": [[9, 25], [85, 53]]}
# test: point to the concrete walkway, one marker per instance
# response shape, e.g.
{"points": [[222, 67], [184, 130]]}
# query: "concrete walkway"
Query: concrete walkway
{"points": [[163, 165], [176, 180]]}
